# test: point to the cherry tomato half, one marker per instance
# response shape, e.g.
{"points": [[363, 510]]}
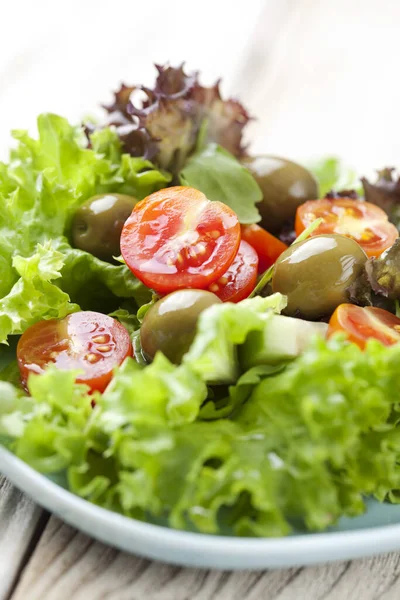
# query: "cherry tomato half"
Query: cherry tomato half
{"points": [[360, 324], [366, 223], [240, 279], [176, 238], [267, 246], [86, 341]]}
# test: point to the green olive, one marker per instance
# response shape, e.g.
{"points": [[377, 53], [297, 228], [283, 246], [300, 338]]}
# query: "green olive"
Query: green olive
{"points": [[170, 324], [315, 274], [284, 184], [97, 224]]}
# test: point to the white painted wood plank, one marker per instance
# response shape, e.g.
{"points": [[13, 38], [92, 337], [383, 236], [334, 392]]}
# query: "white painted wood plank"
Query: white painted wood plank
{"points": [[19, 520], [68, 565]]}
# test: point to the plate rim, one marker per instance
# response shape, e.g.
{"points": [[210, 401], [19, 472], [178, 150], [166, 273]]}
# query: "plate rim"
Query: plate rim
{"points": [[195, 549]]}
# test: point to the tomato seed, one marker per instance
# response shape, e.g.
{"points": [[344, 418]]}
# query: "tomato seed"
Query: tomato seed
{"points": [[101, 339], [105, 348], [92, 358]]}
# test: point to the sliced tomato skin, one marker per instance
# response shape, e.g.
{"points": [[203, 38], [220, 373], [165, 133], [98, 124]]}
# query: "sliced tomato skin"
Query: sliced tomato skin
{"points": [[240, 279], [366, 223], [84, 341], [361, 324], [268, 247], [176, 238]]}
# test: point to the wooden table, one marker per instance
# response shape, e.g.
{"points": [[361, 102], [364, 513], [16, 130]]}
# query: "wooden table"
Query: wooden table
{"points": [[321, 76]]}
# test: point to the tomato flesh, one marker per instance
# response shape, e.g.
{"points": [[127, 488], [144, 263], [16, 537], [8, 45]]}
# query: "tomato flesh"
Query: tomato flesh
{"points": [[87, 341], [240, 279], [267, 246], [366, 223], [176, 238], [360, 324]]}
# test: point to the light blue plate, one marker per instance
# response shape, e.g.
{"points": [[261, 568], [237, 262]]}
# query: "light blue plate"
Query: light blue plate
{"points": [[378, 530]]}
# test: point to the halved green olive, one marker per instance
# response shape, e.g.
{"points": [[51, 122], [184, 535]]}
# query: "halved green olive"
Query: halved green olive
{"points": [[170, 324], [284, 184], [97, 224], [315, 274]]}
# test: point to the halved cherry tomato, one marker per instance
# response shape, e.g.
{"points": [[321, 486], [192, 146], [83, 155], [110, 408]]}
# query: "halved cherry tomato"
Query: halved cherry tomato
{"points": [[360, 324], [366, 223], [176, 238], [240, 279], [267, 246], [86, 341]]}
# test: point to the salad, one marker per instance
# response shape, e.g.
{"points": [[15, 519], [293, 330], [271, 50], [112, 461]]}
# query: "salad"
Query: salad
{"points": [[192, 335]]}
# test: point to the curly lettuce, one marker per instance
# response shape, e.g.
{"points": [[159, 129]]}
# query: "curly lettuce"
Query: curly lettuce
{"points": [[166, 125], [45, 181], [287, 446]]}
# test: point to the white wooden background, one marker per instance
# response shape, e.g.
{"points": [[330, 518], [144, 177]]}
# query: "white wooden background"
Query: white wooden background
{"points": [[322, 78]]}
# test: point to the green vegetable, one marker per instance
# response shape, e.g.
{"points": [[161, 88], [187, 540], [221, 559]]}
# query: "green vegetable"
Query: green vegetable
{"points": [[221, 177], [44, 183], [301, 449], [258, 431], [174, 116], [220, 329], [282, 339], [332, 174]]}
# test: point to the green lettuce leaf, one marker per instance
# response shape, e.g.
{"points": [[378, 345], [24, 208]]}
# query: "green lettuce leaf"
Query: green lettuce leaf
{"points": [[34, 295], [220, 176], [221, 329], [332, 174], [303, 447], [42, 276]]}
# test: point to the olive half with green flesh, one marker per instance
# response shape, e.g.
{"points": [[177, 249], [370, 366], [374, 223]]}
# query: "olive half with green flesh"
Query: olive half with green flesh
{"points": [[315, 274], [170, 324], [97, 224], [284, 184]]}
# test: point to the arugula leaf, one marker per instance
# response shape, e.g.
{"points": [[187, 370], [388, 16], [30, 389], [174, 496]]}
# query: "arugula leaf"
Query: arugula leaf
{"points": [[216, 173]]}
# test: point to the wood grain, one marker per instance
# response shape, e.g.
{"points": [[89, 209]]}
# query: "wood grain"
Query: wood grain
{"points": [[20, 523], [69, 565]]}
